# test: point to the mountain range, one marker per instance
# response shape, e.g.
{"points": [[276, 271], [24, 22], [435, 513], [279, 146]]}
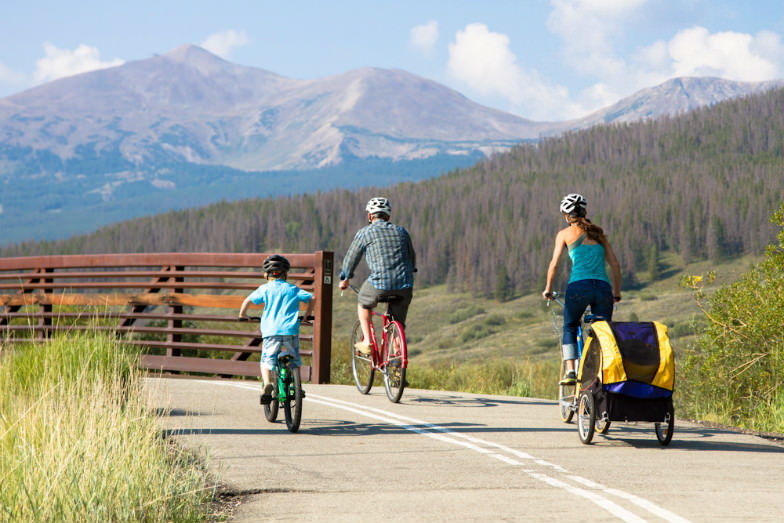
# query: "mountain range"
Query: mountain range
{"points": [[188, 128]]}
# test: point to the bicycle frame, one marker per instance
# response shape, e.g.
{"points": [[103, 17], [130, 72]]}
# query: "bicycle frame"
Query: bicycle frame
{"points": [[378, 350], [389, 355], [568, 394]]}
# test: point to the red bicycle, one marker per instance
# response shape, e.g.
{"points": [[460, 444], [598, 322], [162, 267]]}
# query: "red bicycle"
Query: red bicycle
{"points": [[390, 357]]}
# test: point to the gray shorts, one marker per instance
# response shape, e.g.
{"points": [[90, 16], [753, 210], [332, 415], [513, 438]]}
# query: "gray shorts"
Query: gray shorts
{"points": [[369, 297]]}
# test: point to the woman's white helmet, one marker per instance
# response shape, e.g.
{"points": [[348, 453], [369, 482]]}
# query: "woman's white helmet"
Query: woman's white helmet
{"points": [[379, 205], [574, 204]]}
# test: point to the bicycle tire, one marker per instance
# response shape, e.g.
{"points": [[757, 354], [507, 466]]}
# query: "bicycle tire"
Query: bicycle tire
{"points": [[271, 408], [664, 429], [586, 417], [602, 425], [361, 365], [395, 367], [292, 405], [566, 397]]}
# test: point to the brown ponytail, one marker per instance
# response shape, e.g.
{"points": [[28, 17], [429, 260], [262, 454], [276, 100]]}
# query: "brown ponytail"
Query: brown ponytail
{"points": [[594, 232]]}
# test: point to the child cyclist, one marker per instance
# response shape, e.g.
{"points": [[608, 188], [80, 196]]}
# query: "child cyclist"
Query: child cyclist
{"points": [[279, 319]]}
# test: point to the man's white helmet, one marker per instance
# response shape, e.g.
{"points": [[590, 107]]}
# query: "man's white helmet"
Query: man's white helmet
{"points": [[574, 204], [377, 205]]}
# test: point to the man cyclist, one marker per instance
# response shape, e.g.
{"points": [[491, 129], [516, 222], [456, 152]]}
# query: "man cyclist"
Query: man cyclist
{"points": [[391, 259]]}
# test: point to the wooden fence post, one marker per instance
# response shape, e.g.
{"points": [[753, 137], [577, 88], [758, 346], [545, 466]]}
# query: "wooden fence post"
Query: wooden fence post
{"points": [[322, 328]]}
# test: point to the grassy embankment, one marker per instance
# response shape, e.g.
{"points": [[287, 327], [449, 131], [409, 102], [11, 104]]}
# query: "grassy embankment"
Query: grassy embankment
{"points": [[77, 443], [463, 343]]}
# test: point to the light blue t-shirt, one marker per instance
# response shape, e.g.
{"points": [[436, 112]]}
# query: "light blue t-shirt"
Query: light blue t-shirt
{"points": [[281, 307], [587, 261]]}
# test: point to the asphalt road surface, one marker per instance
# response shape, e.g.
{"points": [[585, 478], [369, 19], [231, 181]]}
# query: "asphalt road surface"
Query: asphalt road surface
{"points": [[445, 456]]}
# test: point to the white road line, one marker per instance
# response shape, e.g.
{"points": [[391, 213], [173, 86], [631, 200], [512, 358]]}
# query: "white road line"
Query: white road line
{"points": [[594, 491]]}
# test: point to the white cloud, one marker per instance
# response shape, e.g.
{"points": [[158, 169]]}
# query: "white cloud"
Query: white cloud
{"points": [[730, 55], [223, 43], [425, 36], [595, 45], [58, 63], [483, 60]]}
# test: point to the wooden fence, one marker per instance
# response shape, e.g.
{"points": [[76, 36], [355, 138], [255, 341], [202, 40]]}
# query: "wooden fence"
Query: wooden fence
{"points": [[180, 308]]}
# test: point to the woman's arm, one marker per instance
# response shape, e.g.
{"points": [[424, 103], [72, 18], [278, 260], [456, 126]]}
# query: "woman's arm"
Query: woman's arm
{"points": [[615, 268], [552, 270]]}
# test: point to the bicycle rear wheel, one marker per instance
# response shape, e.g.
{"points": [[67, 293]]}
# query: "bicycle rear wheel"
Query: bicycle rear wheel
{"points": [[292, 405], [586, 417], [361, 365], [566, 397], [396, 359], [665, 428], [271, 408]]}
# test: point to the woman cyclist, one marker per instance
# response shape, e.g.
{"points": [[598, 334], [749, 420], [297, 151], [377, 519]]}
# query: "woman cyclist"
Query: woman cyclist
{"points": [[589, 250]]}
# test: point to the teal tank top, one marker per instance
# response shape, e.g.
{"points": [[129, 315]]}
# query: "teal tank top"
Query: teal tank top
{"points": [[587, 261]]}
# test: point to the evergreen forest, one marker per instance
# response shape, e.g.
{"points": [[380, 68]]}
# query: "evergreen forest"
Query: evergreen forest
{"points": [[702, 184]]}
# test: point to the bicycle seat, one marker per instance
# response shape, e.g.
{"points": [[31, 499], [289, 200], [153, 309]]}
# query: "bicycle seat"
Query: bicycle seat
{"points": [[283, 359], [389, 298], [590, 318]]}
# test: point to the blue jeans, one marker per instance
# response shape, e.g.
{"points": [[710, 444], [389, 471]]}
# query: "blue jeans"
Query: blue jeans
{"points": [[579, 296]]}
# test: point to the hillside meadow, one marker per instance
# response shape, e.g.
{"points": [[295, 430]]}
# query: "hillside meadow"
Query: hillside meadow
{"points": [[458, 341]]}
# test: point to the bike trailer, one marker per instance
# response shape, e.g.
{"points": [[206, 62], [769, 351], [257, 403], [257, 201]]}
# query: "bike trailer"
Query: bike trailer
{"points": [[629, 368]]}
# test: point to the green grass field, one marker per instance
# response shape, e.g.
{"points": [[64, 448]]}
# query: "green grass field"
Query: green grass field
{"points": [[79, 443], [473, 344]]}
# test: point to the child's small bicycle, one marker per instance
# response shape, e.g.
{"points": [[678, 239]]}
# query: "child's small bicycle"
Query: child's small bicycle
{"points": [[287, 390], [390, 358]]}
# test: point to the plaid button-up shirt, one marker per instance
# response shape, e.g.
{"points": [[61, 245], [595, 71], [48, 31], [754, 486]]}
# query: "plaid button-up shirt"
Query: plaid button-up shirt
{"points": [[389, 254]]}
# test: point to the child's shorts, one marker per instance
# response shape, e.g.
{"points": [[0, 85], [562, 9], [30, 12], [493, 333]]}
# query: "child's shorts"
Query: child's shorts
{"points": [[274, 346]]}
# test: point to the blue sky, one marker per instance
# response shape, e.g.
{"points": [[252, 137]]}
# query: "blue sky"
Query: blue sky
{"points": [[540, 59]]}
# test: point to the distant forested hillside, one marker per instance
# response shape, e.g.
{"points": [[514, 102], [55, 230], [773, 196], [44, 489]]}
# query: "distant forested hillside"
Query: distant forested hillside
{"points": [[703, 184]]}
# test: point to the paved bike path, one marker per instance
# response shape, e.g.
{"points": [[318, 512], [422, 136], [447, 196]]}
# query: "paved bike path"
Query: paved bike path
{"points": [[443, 456]]}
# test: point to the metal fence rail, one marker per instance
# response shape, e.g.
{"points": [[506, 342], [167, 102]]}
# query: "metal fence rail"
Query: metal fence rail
{"points": [[174, 304]]}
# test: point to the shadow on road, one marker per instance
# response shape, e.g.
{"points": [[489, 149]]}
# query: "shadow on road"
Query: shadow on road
{"points": [[461, 401], [691, 438]]}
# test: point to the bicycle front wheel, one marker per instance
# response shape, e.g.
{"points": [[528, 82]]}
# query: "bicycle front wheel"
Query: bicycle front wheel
{"points": [[361, 365], [271, 408], [292, 405], [396, 359], [566, 397]]}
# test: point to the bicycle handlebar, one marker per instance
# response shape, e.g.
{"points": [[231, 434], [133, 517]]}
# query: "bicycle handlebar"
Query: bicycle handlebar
{"points": [[553, 296], [304, 319], [356, 291]]}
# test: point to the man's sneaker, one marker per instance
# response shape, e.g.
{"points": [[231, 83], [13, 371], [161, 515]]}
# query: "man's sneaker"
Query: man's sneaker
{"points": [[266, 395], [569, 378], [363, 348]]}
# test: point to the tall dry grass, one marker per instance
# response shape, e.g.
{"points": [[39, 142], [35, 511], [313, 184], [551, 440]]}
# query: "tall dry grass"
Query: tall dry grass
{"points": [[77, 442]]}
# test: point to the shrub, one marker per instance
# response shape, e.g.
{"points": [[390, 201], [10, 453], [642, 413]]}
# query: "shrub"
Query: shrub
{"points": [[734, 372]]}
